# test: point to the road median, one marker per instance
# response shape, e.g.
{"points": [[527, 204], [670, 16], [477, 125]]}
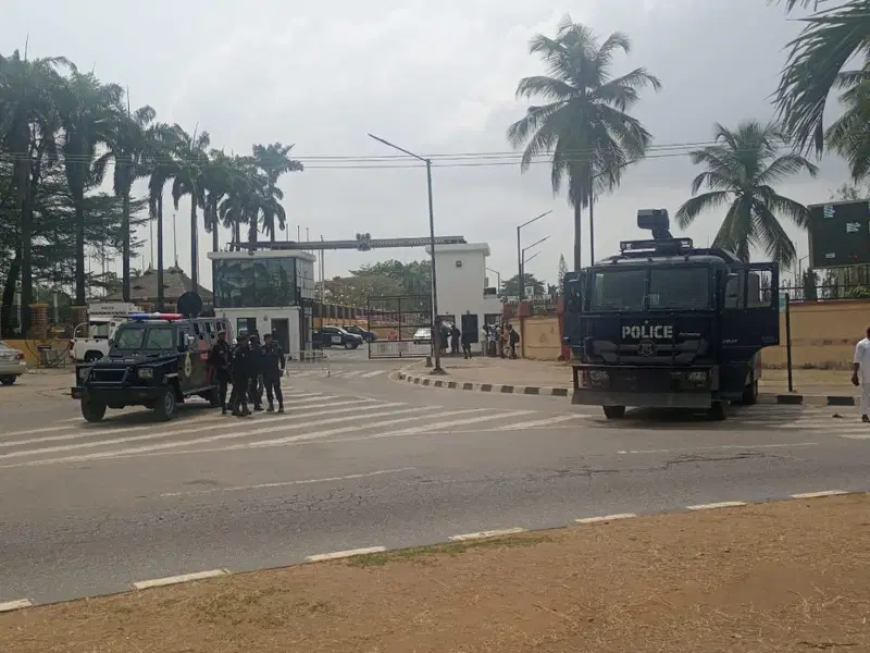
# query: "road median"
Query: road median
{"points": [[783, 576]]}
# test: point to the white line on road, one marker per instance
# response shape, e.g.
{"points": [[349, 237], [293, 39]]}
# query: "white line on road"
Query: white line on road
{"points": [[9, 606], [541, 422], [595, 520], [183, 578], [47, 429], [460, 422], [714, 506], [369, 375], [482, 535], [722, 446], [308, 481], [818, 495], [337, 555]]}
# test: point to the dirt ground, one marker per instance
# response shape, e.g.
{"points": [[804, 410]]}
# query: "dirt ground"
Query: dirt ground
{"points": [[791, 576]]}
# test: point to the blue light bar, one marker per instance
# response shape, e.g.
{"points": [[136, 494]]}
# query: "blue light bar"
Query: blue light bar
{"points": [[156, 316]]}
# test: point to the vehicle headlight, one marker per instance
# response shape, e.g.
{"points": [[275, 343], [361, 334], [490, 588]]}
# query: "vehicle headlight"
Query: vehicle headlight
{"points": [[83, 373], [699, 376], [146, 373]]}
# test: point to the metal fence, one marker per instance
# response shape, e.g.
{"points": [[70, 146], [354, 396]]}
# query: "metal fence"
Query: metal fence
{"points": [[402, 324], [798, 292]]}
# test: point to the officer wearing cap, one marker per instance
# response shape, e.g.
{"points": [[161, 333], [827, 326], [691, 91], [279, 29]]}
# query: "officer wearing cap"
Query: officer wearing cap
{"points": [[273, 368], [241, 373], [220, 358]]}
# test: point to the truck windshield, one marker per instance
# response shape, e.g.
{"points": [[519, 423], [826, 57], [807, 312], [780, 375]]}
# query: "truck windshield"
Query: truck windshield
{"points": [[138, 338], [670, 289]]}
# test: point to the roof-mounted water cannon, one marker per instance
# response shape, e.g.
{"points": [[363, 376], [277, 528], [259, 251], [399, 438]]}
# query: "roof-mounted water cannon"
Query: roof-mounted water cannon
{"points": [[657, 221]]}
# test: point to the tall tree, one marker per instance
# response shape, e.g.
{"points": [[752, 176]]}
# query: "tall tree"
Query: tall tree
{"points": [[129, 145], [513, 288], [163, 140], [88, 111], [584, 124], [563, 270], [273, 161], [191, 160], [742, 168]]}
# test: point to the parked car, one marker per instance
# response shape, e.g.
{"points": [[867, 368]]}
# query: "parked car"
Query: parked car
{"points": [[367, 336], [12, 364], [423, 336], [334, 336]]}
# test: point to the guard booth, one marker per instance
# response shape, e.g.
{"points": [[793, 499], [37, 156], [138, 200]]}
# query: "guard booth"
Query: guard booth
{"points": [[403, 325]]}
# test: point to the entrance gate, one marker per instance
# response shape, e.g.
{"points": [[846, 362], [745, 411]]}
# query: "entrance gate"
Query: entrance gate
{"points": [[403, 325]]}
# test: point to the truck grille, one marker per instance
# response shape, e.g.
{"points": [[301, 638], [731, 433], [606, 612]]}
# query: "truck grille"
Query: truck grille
{"points": [[107, 376]]}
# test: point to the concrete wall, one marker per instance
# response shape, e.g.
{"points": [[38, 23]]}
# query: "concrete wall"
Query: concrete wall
{"points": [[823, 335]]}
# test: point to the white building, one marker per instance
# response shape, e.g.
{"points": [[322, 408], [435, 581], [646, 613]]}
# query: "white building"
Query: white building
{"points": [[460, 274], [268, 291]]}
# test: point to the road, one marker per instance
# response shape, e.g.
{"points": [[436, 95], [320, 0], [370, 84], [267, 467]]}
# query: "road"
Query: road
{"points": [[360, 461]]}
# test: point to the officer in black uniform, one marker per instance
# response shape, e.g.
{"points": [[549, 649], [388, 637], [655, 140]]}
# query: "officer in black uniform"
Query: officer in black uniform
{"points": [[273, 369], [220, 358], [241, 373], [255, 380]]}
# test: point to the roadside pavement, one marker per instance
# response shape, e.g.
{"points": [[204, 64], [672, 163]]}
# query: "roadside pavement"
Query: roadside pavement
{"points": [[37, 385], [788, 576], [523, 375]]}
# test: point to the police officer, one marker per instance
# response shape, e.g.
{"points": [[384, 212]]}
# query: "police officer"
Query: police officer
{"points": [[220, 357], [241, 373], [273, 369], [255, 378]]}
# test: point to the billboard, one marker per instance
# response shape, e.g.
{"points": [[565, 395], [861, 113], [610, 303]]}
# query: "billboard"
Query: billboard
{"points": [[839, 234]]}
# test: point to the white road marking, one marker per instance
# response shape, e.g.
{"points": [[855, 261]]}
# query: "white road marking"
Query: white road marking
{"points": [[183, 578], [9, 606], [350, 374], [309, 481], [369, 375], [337, 555], [541, 422], [461, 422], [717, 447], [482, 535], [47, 429], [818, 495], [595, 520], [155, 435], [714, 506]]}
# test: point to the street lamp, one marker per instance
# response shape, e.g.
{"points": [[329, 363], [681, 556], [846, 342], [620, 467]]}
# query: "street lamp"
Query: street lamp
{"points": [[497, 276], [524, 260], [520, 247], [436, 335]]}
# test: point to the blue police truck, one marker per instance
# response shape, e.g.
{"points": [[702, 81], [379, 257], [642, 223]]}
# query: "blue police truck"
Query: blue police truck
{"points": [[664, 324]]}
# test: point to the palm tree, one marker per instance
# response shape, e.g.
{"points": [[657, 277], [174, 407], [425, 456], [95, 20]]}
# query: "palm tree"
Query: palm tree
{"points": [[128, 146], [830, 38], [163, 141], [741, 168], [28, 126], [584, 124], [274, 162], [191, 156], [89, 111]]}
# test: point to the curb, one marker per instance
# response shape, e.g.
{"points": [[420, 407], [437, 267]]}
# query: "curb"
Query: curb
{"points": [[806, 400], [483, 387], [590, 521]]}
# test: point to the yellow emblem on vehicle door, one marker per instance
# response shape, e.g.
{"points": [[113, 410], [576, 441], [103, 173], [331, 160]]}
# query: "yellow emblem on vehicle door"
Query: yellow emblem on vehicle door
{"points": [[188, 365]]}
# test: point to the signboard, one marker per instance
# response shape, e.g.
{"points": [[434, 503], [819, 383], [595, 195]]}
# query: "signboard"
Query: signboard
{"points": [[839, 234]]}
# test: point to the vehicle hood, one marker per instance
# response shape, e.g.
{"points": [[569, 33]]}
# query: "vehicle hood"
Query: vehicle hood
{"points": [[131, 359], [672, 339]]}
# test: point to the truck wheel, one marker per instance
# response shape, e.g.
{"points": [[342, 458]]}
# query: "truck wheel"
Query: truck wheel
{"points": [[614, 412], [750, 394], [165, 407], [718, 411], [93, 410]]}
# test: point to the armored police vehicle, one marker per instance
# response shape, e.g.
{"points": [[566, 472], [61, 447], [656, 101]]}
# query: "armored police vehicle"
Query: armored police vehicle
{"points": [[666, 324], [156, 360]]}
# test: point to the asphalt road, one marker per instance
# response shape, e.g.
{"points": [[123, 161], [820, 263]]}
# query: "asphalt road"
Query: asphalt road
{"points": [[360, 461]]}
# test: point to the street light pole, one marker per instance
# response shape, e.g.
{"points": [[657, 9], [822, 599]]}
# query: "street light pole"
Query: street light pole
{"points": [[497, 277], [436, 334], [524, 260], [521, 271]]}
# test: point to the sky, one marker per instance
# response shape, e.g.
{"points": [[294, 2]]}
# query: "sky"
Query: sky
{"points": [[434, 78]]}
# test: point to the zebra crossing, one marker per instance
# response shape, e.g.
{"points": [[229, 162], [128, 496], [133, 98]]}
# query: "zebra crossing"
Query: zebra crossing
{"points": [[337, 373], [311, 416]]}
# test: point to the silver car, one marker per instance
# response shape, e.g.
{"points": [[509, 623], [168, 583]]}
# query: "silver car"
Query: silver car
{"points": [[12, 364]]}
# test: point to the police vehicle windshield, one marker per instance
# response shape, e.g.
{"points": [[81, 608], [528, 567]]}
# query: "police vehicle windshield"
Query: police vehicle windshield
{"points": [[650, 289], [144, 337]]}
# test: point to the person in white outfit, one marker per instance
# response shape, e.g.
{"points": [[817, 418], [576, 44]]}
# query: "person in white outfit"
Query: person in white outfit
{"points": [[861, 374]]}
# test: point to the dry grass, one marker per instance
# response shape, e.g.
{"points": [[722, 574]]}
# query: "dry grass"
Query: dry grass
{"points": [[781, 577]]}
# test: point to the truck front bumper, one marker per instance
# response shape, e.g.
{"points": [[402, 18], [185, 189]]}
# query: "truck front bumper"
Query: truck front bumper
{"points": [[652, 387], [586, 397], [128, 395]]}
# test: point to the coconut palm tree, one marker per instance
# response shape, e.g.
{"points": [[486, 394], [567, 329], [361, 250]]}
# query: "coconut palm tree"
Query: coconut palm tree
{"points": [[88, 111], [163, 142], [742, 168], [273, 161], [831, 37], [191, 155], [584, 124], [129, 145]]}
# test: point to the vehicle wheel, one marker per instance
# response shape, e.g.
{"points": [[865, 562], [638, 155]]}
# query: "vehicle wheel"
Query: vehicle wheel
{"points": [[93, 410], [165, 407], [92, 356], [614, 412], [350, 344], [750, 394], [718, 411], [8, 380]]}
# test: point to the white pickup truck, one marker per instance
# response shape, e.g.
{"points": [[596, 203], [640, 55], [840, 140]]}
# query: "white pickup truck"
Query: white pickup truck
{"points": [[90, 340]]}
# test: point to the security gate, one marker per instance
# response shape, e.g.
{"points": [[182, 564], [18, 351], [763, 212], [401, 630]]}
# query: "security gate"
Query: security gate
{"points": [[403, 325]]}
